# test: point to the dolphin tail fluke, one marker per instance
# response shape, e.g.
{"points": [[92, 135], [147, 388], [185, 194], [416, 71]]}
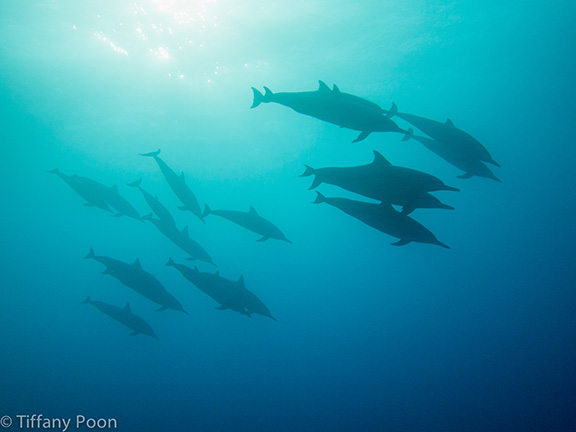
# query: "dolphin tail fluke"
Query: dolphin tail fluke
{"points": [[207, 211], [161, 309], [407, 209], [362, 136], [151, 154], [86, 300], [465, 176], [258, 98], [308, 171], [264, 238], [319, 198], [136, 183], [392, 111], [408, 135], [170, 262], [147, 217], [91, 254]]}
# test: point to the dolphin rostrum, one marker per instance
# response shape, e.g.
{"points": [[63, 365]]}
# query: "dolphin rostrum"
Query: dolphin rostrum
{"points": [[250, 220], [178, 185], [382, 181], [385, 219], [332, 106], [124, 316], [135, 277]]}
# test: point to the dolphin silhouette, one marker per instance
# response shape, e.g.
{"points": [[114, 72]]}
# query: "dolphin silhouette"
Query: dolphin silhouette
{"points": [[124, 316], [385, 219], [181, 238], [135, 277], [384, 182], [250, 220], [447, 134], [93, 195], [154, 203], [471, 165], [345, 110], [178, 185]]}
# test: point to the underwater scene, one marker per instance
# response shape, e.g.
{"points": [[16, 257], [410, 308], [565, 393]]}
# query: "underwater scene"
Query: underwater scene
{"points": [[301, 215]]}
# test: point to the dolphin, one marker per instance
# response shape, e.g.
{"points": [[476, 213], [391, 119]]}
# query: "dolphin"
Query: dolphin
{"points": [[93, 196], [250, 220], [124, 316], [385, 219], [470, 165], [228, 295], [448, 134], [181, 239], [385, 182], [178, 185], [157, 207], [344, 110], [135, 277]]}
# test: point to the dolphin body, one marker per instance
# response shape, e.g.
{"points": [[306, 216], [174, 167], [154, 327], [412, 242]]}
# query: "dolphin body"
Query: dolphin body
{"points": [[250, 220], [92, 195], [178, 185], [230, 294], [144, 283], [471, 166], [332, 106], [385, 219], [124, 316], [154, 203], [385, 182], [448, 134], [213, 285], [181, 239]]}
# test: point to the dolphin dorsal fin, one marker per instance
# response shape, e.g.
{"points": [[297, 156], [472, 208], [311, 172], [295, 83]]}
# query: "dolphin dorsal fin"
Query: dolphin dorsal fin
{"points": [[137, 264], [449, 123], [185, 230], [114, 188], [241, 281], [322, 87], [253, 211], [127, 307], [379, 159], [217, 273], [335, 89], [182, 176]]}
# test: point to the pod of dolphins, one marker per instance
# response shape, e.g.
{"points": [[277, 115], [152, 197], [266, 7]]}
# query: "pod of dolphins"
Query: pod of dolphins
{"points": [[379, 180]]}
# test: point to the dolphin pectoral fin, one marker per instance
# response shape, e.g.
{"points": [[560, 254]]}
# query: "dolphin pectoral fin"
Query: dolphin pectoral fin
{"points": [[263, 239], [221, 307], [107, 271], [183, 208], [400, 242], [465, 176], [118, 214], [134, 333], [362, 136], [161, 309]]}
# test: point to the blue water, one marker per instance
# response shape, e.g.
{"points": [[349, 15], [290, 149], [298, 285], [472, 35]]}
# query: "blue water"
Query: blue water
{"points": [[370, 337]]}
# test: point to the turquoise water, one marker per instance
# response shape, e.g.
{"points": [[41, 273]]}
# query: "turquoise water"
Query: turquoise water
{"points": [[369, 336]]}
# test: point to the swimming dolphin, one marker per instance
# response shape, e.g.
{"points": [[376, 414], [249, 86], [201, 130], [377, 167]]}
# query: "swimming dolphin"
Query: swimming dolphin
{"points": [[448, 134], [93, 196], [250, 220], [157, 207], [181, 239], [144, 283], [385, 219], [213, 285], [124, 316], [178, 185], [252, 303], [385, 182], [471, 166], [344, 110]]}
